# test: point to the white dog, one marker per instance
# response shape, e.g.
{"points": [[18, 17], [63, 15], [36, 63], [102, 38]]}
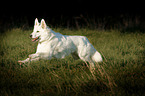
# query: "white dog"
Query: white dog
{"points": [[56, 45]]}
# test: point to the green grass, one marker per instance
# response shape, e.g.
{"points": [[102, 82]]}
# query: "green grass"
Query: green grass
{"points": [[121, 73]]}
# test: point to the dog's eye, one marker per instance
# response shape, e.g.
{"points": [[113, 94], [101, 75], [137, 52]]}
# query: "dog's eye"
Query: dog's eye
{"points": [[37, 31]]}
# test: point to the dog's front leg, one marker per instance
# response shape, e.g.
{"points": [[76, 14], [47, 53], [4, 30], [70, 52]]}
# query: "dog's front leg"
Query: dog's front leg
{"points": [[23, 61], [32, 57]]}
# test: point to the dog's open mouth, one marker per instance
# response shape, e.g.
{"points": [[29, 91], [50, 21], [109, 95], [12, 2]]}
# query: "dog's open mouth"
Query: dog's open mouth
{"points": [[35, 39]]}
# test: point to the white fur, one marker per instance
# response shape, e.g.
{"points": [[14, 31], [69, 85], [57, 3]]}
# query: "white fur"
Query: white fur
{"points": [[55, 45]]}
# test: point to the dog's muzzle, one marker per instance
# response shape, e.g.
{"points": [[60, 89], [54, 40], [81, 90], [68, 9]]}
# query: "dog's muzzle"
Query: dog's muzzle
{"points": [[30, 36], [34, 39]]}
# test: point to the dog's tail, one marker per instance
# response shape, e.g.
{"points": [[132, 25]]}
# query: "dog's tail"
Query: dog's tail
{"points": [[97, 57]]}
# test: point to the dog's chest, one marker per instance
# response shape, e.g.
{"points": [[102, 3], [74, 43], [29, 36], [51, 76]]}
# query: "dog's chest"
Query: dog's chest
{"points": [[42, 48], [45, 47]]}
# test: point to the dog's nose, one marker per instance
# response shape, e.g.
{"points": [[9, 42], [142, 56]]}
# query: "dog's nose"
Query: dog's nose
{"points": [[30, 36]]}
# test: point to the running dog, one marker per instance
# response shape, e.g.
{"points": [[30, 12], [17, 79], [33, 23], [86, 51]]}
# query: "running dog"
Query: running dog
{"points": [[55, 45]]}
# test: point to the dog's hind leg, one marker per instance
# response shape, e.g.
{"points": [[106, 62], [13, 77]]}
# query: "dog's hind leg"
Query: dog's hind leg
{"points": [[90, 61], [92, 65]]}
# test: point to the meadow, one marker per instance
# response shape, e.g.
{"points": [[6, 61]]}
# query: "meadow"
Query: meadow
{"points": [[122, 72]]}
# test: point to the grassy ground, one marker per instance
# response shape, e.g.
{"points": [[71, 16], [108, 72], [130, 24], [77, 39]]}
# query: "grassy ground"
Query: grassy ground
{"points": [[121, 73]]}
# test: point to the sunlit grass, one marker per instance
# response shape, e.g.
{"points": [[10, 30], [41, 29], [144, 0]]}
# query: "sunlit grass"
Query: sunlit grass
{"points": [[122, 71]]}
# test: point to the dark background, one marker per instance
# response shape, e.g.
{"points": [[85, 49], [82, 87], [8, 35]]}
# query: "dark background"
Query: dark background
{"points": [[124, 15]]}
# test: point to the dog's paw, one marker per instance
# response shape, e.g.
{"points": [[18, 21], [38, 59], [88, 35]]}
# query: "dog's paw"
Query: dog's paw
{"points": [[21, 62], [30, 55]]}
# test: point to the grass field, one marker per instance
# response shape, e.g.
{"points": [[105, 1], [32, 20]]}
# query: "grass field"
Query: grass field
{"points": [[122, 73]]}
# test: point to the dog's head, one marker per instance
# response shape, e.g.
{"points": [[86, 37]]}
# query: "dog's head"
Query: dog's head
{"points": [[40, 31]]}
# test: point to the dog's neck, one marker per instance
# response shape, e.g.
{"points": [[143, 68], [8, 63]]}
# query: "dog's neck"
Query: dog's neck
{"points": [[52, 35]]}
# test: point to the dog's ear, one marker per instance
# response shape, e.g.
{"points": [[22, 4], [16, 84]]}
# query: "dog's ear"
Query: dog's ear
{"points": [[43, 24], [36, 22]]}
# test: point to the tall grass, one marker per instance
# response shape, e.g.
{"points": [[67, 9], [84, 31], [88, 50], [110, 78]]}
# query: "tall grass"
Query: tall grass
{"points": [[121, 73]]}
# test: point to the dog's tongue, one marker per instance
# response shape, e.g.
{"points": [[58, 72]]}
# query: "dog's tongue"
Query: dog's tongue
{"points": [[35, 39]]}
